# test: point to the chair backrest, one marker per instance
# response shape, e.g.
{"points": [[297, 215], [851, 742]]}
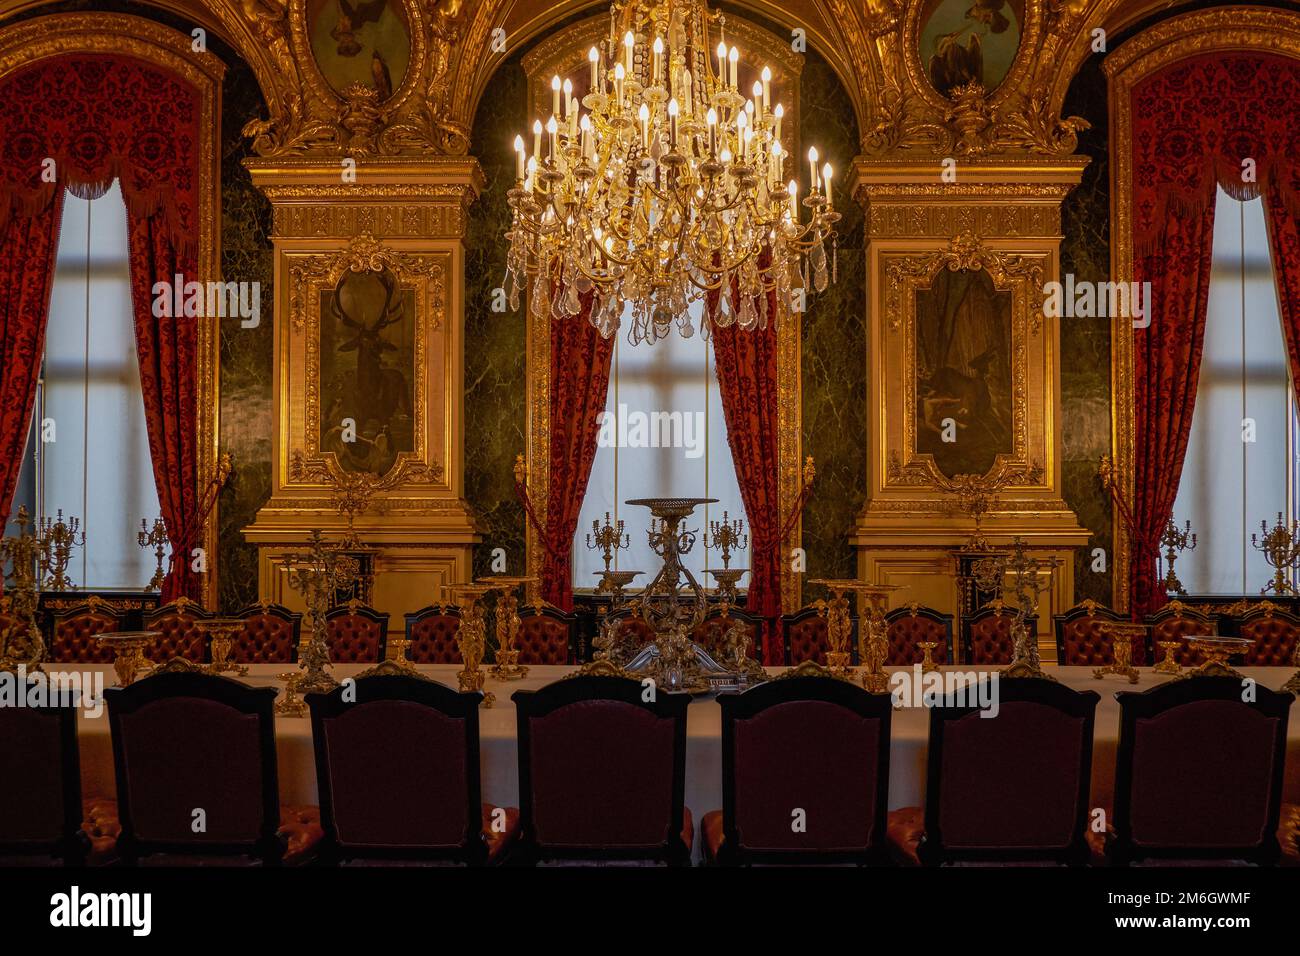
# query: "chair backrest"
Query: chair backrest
{"points": [[1014, 786], [1274, 631], [1173, 622], [546, 636], [818, 746], [397, 770], [270, 635], [807, 639], [601, 771], [633, 624], [1199, 771], [40, 801], [712, 631], [986, 634], [913, 624], [1082, 640], [77, 630], [180, 633], [190, 746], [356, 634], [432, 633]]}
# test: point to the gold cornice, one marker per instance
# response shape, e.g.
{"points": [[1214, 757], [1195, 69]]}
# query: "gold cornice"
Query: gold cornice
{"points": [[1222, 29]]}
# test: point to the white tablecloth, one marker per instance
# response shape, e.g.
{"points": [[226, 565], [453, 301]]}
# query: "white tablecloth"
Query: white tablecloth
{"points": [[500, 769]]}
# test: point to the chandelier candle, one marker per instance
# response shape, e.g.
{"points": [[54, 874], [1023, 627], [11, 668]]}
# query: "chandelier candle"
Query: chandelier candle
{"points": [[663, 183]]}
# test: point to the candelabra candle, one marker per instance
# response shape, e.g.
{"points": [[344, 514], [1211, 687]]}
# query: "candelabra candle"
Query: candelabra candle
{"points": [[1281, 548], [156, 538], [727, 536], [1174, 542], [57, 539], [640, 202], [608, 538]]}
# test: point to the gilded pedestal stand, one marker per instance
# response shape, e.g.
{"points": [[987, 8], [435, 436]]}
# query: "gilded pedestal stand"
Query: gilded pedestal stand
{"points": [[21, 643], [1122, 634], [507, 666], [1029, 586], [471, 638], [316, 575], [873, 638], [221, 633]]}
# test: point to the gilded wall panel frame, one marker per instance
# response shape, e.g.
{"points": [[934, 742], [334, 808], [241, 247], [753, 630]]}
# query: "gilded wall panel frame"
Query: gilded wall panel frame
{"points": [[1224, 29], [565, 54], [25, 43]]}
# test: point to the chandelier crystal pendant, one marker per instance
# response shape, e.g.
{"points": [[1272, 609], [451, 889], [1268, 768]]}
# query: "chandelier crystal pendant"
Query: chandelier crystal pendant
{"points": [[665, 184]]}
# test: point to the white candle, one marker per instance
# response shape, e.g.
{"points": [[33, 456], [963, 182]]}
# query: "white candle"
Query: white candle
{"points": [[826, 178], [568, 97], [794, 200], [722, 63], [658, 49], [587, 149], [619, 74], [778, 113], [520, 158], [537, 139], [643, 114], [758, 94], [673, 110], [629, 42], [552, 127], [593, 57], [555, 96], [690, 93], [711, 117], [812, 163], [767, 87], [734, 57]]}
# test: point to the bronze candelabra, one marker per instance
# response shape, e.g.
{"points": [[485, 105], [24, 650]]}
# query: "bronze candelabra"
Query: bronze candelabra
{"points": [[156, 538], [728, 536], [607, 539], [316, 574], [1029, 587], [58, 538], [1281, 548], [21, 642], [1175, 541]]}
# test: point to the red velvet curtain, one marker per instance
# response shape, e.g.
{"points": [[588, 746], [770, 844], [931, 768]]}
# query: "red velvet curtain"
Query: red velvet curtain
{"points": [[1215, 118], [27, 249], [580, 363], [79, 121], [745, 361]]}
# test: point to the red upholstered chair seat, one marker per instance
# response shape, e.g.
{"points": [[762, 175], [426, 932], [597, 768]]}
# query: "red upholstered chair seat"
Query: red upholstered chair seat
{"points": [[543, 639], [76, 636], [1275, 639], [270, 636], [432, 633], [907, 628], [355, 637]]}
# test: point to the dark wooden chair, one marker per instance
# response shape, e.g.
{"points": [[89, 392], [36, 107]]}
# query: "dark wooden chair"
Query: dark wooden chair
{"points": [[270, 636], [397, 770], [602, 772], [913, 624], [818, 746], [986, 635], [711, 633], [356, 634], [1012, 788], [432, 633], [1173, 622], [807, 639], [187, 747], [547, 635], [1198, 774], [1082, 641], [77, 630], [40, 799], [1274, 631], [182, 634]]}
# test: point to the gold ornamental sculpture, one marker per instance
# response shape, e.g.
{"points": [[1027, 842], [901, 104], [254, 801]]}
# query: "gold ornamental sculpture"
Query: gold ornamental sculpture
{"points": [[21, 644], [665, 180], [1281, 548], [316, 574], [1030, 585]]}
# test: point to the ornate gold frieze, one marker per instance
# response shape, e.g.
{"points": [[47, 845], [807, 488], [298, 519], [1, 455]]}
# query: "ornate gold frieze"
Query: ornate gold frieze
{"points": [[1222, 29]]}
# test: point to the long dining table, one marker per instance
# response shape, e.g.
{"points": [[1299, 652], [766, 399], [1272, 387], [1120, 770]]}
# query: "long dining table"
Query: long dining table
{"points": [[499, 753]]}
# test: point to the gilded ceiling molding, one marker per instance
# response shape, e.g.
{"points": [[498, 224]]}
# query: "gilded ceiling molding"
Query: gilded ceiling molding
{"points": [[1224, 29]]}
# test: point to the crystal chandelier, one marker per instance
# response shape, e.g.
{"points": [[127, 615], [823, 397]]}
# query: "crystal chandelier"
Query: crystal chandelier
{"points": [[667, 183]]}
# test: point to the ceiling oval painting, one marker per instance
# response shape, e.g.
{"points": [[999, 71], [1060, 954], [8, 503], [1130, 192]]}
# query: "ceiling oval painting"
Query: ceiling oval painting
{"points": [[366, 42], [969, 41]]}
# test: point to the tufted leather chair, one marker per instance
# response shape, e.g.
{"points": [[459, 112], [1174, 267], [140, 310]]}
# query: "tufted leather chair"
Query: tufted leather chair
{"points": [[711, 633], [642, 634], [181, 635], [432, 633], [356, 634], [1198, 773], [986, 637], [270, 636], [546, 636], [40, 804], [817, 743], [1008, 788], [912, 625], [397, 769], [602, 772], [1274, 632], [1173, 622], [806, 638], [1081, 640], [183, 739], [76, 630]]}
